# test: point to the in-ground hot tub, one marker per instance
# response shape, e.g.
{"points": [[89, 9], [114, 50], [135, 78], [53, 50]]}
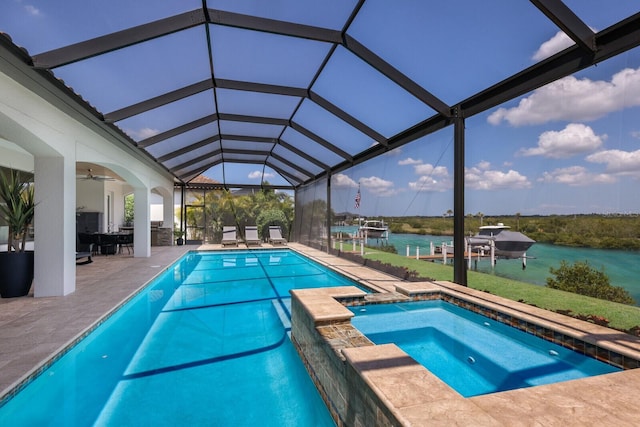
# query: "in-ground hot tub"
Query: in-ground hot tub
{"points": [[472, 353]]}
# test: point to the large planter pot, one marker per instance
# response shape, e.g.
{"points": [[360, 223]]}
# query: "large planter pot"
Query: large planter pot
{"points": [[16, 273]]}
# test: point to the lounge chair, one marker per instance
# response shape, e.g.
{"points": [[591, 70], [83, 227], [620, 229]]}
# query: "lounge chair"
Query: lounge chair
{"points": [[251, 235], [229, 236], [275, 236]]}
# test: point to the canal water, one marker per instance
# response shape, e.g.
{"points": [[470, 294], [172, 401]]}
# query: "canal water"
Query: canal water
{"points": [[622, 267]]}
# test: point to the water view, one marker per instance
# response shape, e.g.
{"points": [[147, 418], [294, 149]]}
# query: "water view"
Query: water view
{"points": [[622, 267]]}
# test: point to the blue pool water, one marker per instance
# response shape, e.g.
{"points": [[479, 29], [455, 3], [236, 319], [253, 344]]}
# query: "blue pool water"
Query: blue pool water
{"points": [[472, 353], [205, 344]]}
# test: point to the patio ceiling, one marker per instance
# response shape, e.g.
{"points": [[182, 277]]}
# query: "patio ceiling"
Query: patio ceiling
{"points": [[297, 89]]}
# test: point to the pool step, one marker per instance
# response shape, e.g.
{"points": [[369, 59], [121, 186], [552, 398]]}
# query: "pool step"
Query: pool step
{"points": [[282, 314]]}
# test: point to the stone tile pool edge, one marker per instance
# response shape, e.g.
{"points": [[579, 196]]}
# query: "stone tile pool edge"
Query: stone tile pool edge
{"points": [[16, 387], [369, 384]]}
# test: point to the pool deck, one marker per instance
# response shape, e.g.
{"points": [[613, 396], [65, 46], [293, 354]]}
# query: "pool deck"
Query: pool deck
{"points": [[32, 329]]}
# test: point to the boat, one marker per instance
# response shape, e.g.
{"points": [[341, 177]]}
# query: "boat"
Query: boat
{"points": [[374, 229], [508, 244]]}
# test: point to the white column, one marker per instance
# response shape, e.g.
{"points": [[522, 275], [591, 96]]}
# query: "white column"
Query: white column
{"points": [[55, 226], [168, 213], [141, 223]]}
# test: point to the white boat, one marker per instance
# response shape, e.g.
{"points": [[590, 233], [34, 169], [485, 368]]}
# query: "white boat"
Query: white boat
{"points": [[374, 229], [508, 244]]}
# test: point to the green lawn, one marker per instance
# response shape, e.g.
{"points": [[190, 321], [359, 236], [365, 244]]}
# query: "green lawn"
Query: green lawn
{"points": [[621, 316]]}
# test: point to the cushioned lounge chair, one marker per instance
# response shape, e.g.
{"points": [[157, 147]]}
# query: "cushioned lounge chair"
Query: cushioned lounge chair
{"points": [[251, 235], [229, 236], [275, 236]]}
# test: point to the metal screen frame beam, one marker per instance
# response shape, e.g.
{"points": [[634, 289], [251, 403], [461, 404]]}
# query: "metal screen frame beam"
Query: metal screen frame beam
{"points": [[197, 160], [260, 87], [326, 144], [158, 101], [302, 154], [284, 173], [283, 28], [396, 76], [569, 22], [459, 266], [118, 40], [348, 118], [291, 164], [252, 119], [188, 148], [178, 130]]}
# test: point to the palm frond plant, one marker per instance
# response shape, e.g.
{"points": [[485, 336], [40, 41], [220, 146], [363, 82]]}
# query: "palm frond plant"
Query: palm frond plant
{"points": [[17, 207]]}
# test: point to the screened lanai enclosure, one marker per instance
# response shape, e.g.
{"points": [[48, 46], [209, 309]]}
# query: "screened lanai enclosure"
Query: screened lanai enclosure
{"points": [[417, 108]]}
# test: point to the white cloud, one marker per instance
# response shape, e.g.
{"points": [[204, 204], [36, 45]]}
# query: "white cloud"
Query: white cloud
{"points": [[142, 134], [480, 178], [259, 174], [431, 178], [428, 183], [394, 152], [32, 10], [576, 176], [572, 99], [618, 161], [552, 46], [484, 165], [429, 169], [635, 134], [574, 139], [342, 180], [409, 161], [378, 186]]}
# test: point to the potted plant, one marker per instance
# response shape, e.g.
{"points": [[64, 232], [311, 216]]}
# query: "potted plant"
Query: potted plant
{"points": [[17, 207], [177, 233]]}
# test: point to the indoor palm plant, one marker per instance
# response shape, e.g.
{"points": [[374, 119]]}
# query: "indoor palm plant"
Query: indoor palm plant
{"points": [[17, 207]]}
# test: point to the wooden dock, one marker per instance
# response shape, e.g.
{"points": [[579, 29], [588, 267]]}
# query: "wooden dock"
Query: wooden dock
{"points": [[440, 257]]}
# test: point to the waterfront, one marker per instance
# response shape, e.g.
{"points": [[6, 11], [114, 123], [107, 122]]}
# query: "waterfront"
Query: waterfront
{"points": [[622, 267]]}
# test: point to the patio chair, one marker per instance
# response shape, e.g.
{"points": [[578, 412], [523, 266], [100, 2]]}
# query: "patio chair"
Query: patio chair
{"points": [[251, 235], [87, 242], [275, 236], [81, 255], [229, 236], [125, 241]]}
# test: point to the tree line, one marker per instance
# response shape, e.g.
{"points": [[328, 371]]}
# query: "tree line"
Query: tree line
{"points": [[590, 231]]}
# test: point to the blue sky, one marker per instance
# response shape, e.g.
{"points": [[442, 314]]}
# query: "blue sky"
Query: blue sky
{"points": [[570, 147]]}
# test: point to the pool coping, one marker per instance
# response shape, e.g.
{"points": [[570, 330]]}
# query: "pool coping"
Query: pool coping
{"points": [[18, 385], [412, 395]]}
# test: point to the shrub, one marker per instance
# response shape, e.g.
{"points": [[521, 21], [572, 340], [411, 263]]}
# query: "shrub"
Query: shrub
{"points": [[384, 248], [581, 278], [272, 217]]}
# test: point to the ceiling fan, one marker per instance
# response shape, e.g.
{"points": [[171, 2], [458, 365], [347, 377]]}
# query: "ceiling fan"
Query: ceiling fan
{"points": [[91, 177]]}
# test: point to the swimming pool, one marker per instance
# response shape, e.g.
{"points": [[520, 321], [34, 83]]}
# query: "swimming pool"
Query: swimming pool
{"points": [[206, 343], [473, 354]]}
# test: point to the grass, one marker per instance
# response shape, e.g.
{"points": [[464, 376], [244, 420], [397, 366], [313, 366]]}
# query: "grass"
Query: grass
{"points": [[620, 316]]}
